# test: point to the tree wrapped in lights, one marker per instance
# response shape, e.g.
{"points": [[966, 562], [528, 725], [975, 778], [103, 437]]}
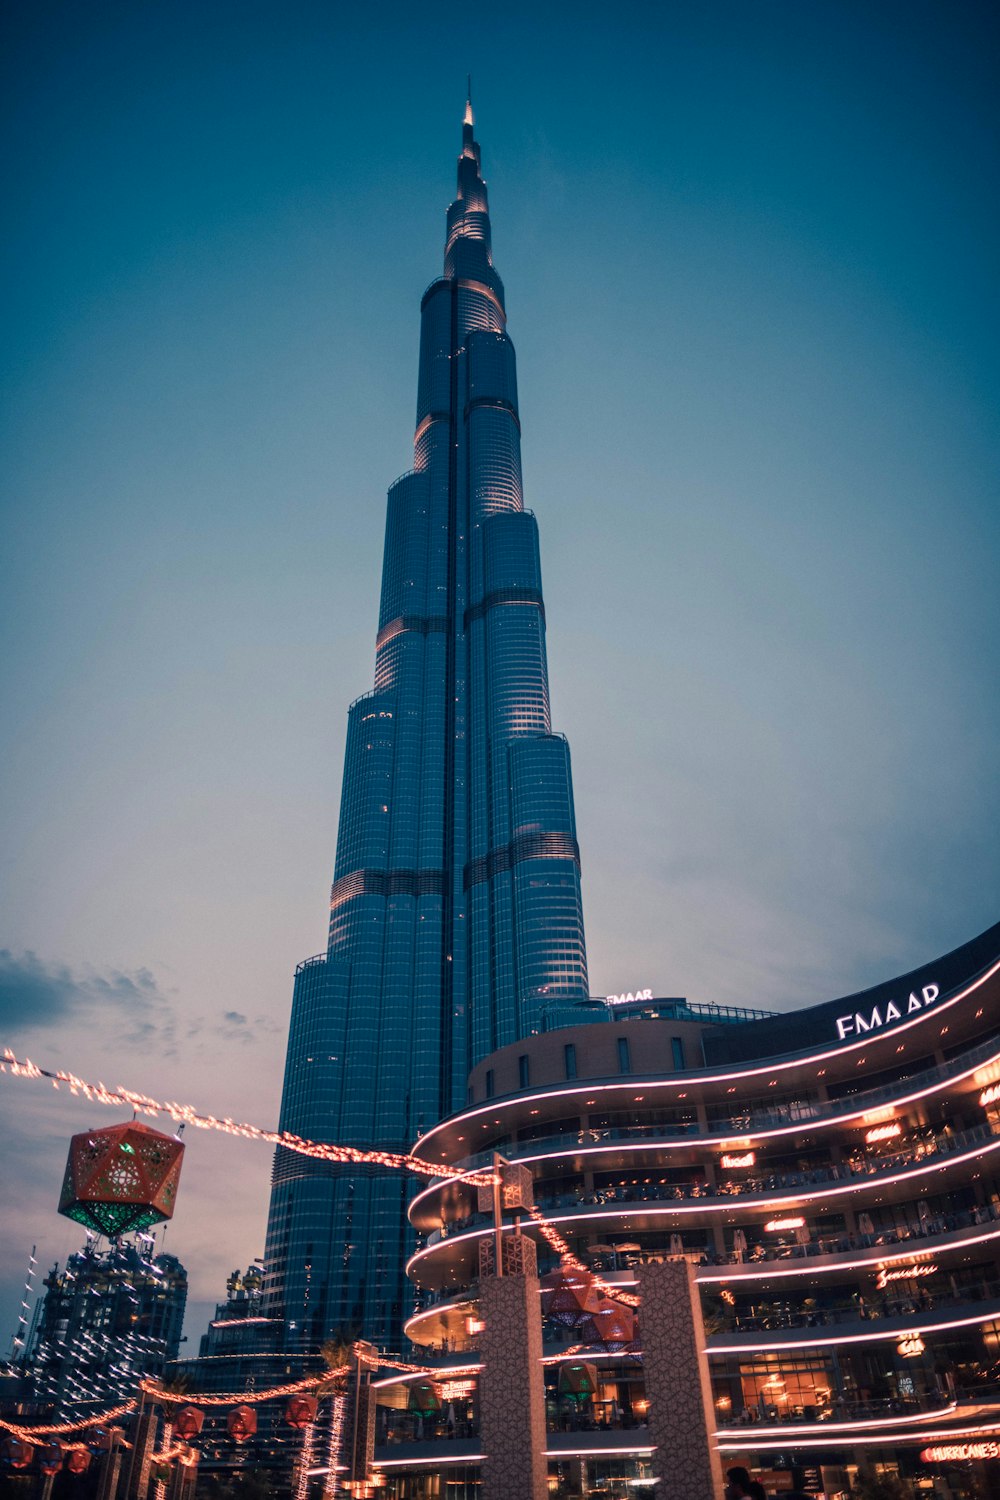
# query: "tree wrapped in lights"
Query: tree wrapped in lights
{"points": [[121, 1178]]}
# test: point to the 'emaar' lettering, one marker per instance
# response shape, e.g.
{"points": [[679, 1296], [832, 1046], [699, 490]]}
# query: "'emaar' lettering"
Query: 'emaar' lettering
{"points": [[873, 1019]]}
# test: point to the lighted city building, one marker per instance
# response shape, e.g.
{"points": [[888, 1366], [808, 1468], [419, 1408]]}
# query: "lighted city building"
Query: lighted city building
{"points": [[108, 1318], [831, 1174], [456, 913]]}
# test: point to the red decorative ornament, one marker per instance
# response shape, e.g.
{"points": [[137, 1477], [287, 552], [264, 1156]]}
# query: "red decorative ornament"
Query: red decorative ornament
{"points": [[17, 1453], [301, 1411], [188, 1423], [609, 1324], [241, 1424], [50, 1458], [569, 1297], [78, 1460], [121, 1178]]}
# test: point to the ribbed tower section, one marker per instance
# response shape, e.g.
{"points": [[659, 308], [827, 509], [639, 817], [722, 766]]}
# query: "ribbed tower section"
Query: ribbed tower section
{"points": [[456, 911]]}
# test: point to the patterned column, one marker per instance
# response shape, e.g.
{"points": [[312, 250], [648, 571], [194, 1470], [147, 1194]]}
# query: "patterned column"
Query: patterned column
{"points": [[512, 1388], [681, 1414]]}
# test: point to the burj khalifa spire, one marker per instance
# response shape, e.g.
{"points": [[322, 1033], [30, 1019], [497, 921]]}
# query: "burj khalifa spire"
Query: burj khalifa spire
{"points": [[455, 913]]}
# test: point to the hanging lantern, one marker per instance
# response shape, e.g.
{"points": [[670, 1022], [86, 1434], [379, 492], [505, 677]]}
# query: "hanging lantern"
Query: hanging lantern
{"points": [[578, 1380], [241, 1424], [17, 1453], [609, 1324], [160, 1472], [50, 1458], [425, 1397], [301, 1411], [120, 1178], [188, 1423], [569, 1296], [78, 1460]]}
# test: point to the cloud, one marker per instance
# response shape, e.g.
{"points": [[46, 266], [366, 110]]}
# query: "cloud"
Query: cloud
{"points": [[36, 994]]}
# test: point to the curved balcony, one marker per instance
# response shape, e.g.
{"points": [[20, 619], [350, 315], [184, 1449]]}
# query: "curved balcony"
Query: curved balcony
{"points": [[751, 1125], [860, 1322], [455, 1245]]}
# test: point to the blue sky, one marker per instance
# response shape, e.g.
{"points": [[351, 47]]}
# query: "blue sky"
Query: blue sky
{"points": [[750, 254]]}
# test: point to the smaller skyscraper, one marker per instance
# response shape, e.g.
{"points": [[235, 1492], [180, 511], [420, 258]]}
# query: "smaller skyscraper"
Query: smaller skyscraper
{"points": [[110, 1317]]}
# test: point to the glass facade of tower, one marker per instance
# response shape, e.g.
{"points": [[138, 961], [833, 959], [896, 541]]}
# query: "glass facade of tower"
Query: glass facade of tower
{"points": [[456, 912]]}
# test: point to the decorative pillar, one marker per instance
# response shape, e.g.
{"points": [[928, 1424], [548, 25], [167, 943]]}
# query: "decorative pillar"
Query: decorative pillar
{"points": [[512, 1386], [108, 1486], [681, 1414]]}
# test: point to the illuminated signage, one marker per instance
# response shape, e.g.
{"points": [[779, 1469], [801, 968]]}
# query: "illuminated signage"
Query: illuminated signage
{"points": [[990, 1095], [950, 1453], [784, 1223], [903, 1273], [454, 1390], [911, 1346], [629, 998], [872, 1020], [883, 1133], [747, 1159]]}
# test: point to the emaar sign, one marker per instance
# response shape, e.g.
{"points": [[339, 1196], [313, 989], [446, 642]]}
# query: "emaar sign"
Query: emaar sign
{"points": [[874, 1019]]}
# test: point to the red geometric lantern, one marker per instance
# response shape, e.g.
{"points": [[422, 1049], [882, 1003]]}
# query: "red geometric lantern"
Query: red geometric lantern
{"points": [[301, 1411], [241, 1423], [120, 1178], [78, 1460], [609, 1324], [17, 1454], [568, 1297], [188, 1423], [50, 1457]]}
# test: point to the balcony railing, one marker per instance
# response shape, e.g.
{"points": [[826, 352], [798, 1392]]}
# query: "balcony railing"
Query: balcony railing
{"points": [[768, 1187], [745, 1121]]}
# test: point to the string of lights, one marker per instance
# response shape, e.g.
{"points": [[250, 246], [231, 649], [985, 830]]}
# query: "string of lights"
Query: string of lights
{"points": [[331, 1486], [559, 1245], [28, 1434], [186, 1114], [154, 1389]]}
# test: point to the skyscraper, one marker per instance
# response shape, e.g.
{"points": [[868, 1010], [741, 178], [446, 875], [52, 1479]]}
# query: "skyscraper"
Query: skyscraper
{"points": [[456, 911]]}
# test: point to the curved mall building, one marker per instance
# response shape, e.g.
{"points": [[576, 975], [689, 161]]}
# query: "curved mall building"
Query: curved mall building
{"points": [[831, 1177]]}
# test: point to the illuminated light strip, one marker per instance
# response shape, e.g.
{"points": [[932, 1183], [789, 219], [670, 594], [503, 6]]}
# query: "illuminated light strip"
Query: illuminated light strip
{"points": [[644, 1450], [824, 1336], [27, 1434], [686, 1143], [435, 1459], [726, 1203], [443, 1373], [98, 1093], [920, 1416], [934, 1435], [800, 1061]]}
